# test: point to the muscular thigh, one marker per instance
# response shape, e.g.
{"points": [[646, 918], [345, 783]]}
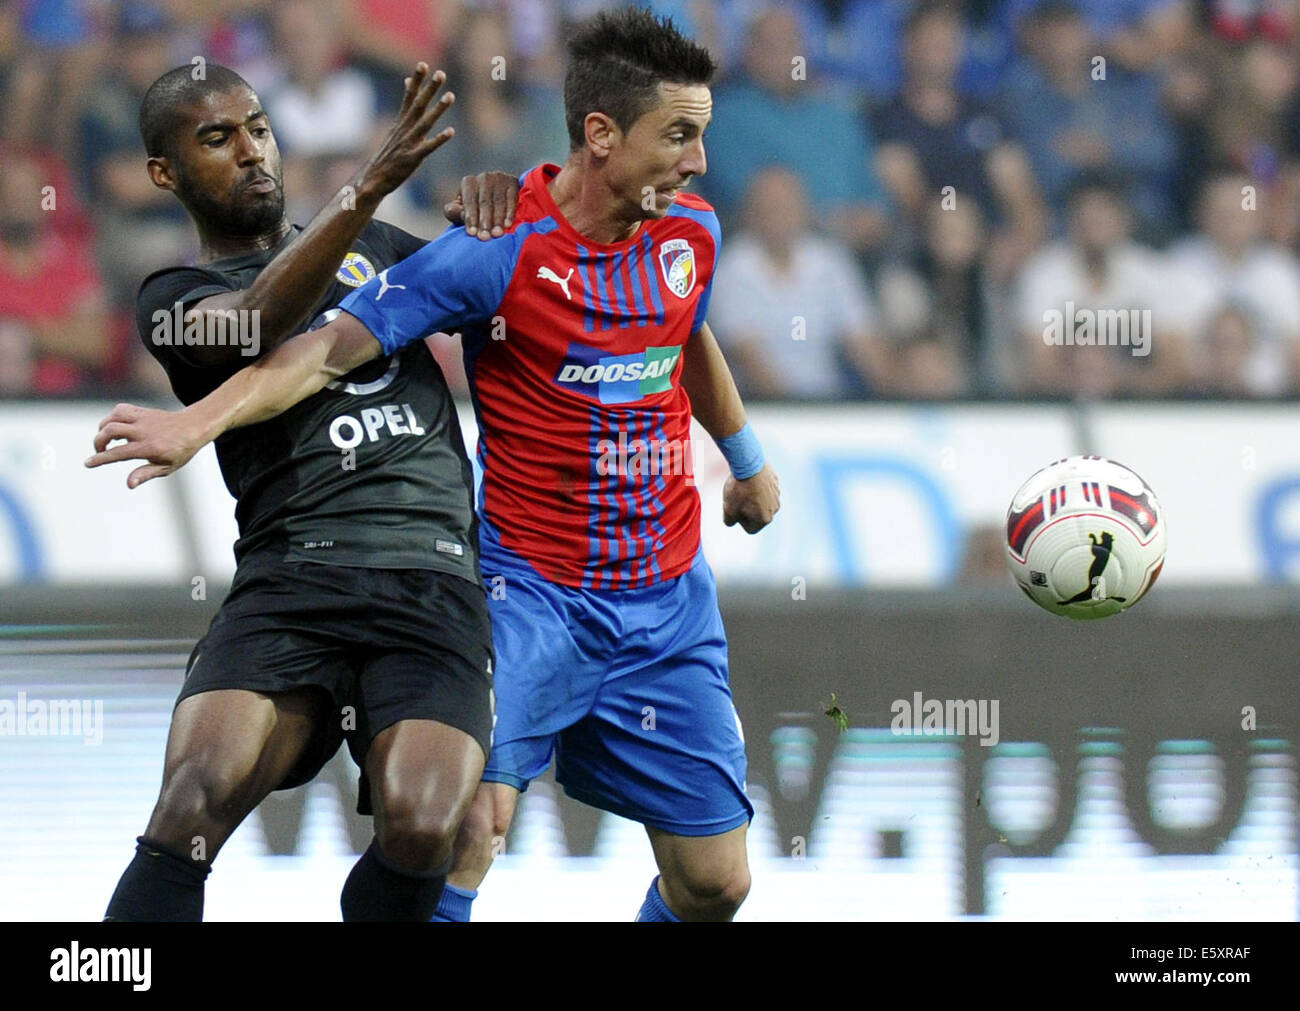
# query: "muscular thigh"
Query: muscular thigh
{"points": [[226, 750], [244, 733], [426, 769], [424, 688]]}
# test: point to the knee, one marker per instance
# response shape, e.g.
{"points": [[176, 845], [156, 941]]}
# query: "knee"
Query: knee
{"points": [[415, 831], [710, 893], [199, 798]]}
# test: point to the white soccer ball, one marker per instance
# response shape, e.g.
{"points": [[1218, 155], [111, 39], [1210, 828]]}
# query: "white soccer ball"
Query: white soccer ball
{"points": [[1085, 537]]}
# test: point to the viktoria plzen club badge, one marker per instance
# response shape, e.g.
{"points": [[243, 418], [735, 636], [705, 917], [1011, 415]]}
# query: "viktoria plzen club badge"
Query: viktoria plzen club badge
{"points": [[677, 260]]}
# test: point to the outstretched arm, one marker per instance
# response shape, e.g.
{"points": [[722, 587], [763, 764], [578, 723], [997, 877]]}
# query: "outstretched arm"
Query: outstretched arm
{"points": [[752, 494], [291, 373], [447, 283]]}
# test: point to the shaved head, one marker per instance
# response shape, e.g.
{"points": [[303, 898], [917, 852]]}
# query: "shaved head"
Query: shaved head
{"points": [[162, 112]]}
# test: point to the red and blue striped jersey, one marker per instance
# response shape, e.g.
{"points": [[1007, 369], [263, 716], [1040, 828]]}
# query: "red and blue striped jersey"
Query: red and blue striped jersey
{"points": [[573, 350]]}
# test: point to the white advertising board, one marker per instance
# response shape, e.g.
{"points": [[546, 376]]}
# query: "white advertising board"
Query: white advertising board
{"points": [[872, 495]]}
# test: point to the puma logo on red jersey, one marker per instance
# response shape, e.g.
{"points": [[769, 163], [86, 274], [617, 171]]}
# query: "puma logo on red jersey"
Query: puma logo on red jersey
{"points": [[547, 274]]}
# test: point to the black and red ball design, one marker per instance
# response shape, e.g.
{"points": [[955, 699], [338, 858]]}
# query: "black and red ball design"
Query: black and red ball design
{"points": [[1085, 537]]}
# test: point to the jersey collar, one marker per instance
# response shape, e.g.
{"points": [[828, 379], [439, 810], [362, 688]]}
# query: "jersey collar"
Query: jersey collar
{"points": [[539, 178]]}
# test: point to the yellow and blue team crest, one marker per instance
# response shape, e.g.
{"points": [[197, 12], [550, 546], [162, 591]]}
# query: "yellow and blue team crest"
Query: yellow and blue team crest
{"points": [[677, 260], [355, 270]]}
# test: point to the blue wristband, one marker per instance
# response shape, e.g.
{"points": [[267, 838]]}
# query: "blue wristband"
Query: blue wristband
{"points": [[744, 454]]}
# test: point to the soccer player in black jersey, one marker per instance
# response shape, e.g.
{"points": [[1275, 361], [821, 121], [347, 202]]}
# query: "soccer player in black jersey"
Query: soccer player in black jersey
{"points": [[357, 611]]}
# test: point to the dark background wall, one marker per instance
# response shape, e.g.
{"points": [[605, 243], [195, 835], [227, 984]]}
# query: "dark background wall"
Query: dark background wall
{"points": [[1182, 667]]}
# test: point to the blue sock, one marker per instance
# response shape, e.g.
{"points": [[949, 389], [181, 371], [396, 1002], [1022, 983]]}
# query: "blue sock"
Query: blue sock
{"points": [[454, 905], [654, 909]]}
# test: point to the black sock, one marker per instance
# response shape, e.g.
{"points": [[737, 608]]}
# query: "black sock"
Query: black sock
{"points": [[160, 885], [378, 892]]}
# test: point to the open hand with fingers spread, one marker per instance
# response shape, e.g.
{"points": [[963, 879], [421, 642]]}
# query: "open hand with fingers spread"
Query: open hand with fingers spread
{"points": [[486, 202], [167, 439], [408, 143]]}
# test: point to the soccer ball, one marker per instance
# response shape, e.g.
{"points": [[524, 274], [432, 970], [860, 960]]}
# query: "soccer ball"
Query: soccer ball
{"points": [[1085, 537]]}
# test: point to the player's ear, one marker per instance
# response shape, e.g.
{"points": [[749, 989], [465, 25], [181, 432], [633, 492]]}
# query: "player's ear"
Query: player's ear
{"points": [[602, 133], [161, 172]]}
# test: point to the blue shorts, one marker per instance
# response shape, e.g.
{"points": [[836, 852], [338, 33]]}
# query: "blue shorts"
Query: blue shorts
{"points": [[628, 690]]}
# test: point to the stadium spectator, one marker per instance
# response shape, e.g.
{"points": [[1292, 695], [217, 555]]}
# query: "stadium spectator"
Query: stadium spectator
{"points": [[139, 227], [789, 305], [1136, 34], [935, 309], [388, 37], [1240, 20], [932, 137], [323, 110], [324, 113], [1074, 114], [324, 106], [858, 44], [17, 358], [19, 78], [774, 116], [1251, 128], [59, 58], [1191, 89], [1249, 125], [1222, 360], [501, 122], [855, 44], [233, 34], [1096, 268], [537, 29], [1186, 86], [1229, 262], [50, 292], [701, 20], [68, 216]]}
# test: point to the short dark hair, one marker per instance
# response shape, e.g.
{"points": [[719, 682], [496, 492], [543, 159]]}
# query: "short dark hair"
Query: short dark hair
{"points": [[927, 9], [1055, 11], [1221, 171], [617, 61], [1108, 183], [160, 109]]}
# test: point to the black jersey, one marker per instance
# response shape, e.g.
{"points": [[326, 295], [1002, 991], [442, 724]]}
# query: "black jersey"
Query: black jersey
{"points": [[370, 471]]}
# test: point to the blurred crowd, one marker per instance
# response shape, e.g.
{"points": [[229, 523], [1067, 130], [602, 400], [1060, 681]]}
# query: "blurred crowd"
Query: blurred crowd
{"points": [[909, 190]]}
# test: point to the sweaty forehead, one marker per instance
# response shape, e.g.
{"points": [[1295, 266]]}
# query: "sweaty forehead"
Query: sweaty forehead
{"points": [[685, 101], [236, 104]]}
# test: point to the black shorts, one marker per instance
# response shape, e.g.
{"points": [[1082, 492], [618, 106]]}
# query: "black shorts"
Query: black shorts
{"points": [[382, 645]]}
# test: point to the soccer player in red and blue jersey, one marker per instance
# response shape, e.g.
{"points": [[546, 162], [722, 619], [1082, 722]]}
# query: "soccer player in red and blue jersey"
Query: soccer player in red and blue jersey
{"points": [[588, 352]]}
